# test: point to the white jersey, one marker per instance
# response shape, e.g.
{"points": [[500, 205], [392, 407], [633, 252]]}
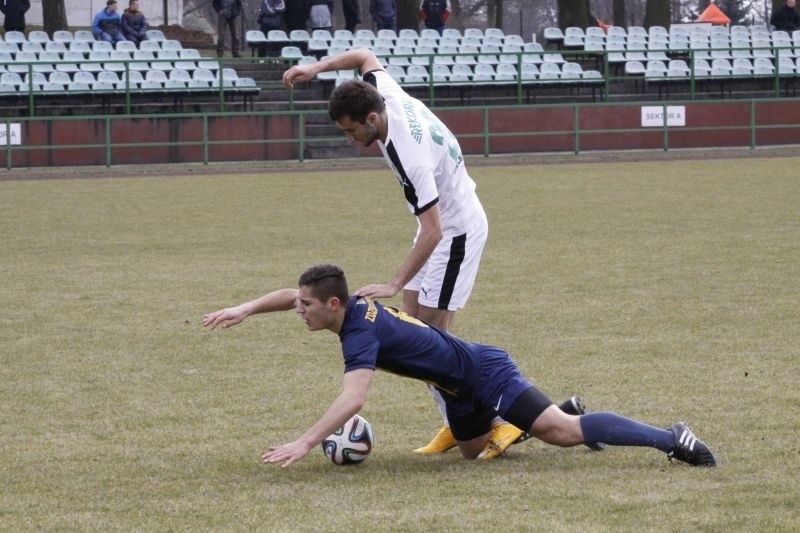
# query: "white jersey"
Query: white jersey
{"points": [[426, 159]]}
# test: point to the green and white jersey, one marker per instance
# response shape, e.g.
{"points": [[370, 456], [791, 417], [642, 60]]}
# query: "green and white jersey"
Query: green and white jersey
{"points": [[426, 159]]}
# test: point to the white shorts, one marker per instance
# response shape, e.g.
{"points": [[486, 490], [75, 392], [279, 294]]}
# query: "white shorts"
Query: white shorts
{"points": [[445, 281]]}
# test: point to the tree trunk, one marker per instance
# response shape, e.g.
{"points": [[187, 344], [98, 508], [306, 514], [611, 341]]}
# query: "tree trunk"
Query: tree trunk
{"points": [[620, 16], [573, 13], [657, 13], [407, 14], [54, 16]]}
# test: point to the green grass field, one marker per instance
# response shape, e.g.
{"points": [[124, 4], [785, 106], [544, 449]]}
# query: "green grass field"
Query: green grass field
{"points": [[661, 290]]}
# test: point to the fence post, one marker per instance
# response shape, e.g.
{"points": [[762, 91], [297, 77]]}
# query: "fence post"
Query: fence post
{"points": [[752, 124], [576, 128], [665, 127], [301, 120], [205, 139], [485, 132], [108, 140], [8, 144]]}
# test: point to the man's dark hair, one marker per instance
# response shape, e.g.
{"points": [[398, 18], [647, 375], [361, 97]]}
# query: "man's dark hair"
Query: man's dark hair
{"points": [[325, 281], [355, 99]]}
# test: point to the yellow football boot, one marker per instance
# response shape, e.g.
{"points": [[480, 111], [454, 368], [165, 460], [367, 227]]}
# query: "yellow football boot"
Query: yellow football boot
{"points": [[502, 436], [442, 442]]}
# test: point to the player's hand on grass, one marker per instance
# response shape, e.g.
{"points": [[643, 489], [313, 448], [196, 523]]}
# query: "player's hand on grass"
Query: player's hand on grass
{"points": [[286, 453], [298, 73], [377, 290], [227, 317]]}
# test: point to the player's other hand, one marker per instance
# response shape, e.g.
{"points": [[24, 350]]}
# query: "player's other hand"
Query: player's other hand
{"points": [[225, 317], [298, 73], [377, 290], [286, 454]]}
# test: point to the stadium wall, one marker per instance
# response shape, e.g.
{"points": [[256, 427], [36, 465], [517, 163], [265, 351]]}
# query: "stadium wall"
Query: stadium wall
{"points": [[493, 130]]}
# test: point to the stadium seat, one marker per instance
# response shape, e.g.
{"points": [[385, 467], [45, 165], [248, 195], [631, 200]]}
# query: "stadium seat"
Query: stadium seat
{"points": [[77, 87], [291, 54], [164, 60], [428, 33], [150, 46], [155, 35], [62, 36], [84, 35], [70, 62], [117, 59], [9, 48], [400, 57], [32, 47], [80, 46], [20, 63], [505, 72], [188, 59], [39, 36], [343, 34], [84, 76], [171, 44], [54, 46], [96, 60], [396, 72], [15, 37], [126, 46], [141, 60], [102, 46], [255, 39], [407, 34]]}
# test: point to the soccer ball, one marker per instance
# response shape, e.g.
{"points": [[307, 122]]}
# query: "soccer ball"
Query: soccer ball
{"points": [[351, 443]]}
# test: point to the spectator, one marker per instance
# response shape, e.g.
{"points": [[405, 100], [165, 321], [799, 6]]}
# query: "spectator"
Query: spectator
{"points": [[270, 17], [227, 12], [786, 17], [134, 23], [14, 11], [107, 25], [384, 13], [320, 14], [352, 14], [296, 15], [434, 13]]}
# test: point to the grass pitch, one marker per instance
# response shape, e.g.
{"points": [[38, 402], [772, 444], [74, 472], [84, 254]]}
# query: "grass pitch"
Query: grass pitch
{"points": [[664, 291]]}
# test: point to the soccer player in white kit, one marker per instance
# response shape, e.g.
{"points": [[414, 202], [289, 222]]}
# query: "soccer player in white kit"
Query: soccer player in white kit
{"points": [[439, 271]]}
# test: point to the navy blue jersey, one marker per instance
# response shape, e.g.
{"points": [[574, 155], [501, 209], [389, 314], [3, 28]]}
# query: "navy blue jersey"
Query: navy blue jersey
{"points": [[374, 336]]}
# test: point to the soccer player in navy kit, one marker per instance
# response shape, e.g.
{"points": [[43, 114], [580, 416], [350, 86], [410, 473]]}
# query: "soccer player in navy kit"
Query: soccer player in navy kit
{"points": [[438, 274], [478, 382]]}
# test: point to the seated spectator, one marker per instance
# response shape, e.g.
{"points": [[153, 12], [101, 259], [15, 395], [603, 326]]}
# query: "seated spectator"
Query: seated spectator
{"points": [[14, 11], [434, 13], [786, 17], [134, 23], [107, 25]]}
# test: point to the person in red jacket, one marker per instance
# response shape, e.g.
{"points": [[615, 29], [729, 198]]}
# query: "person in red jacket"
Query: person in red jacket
{"points": [[434, 13]]}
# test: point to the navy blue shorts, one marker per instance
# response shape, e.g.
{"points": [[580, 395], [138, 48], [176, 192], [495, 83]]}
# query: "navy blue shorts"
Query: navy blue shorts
{"points": [[499, 384]]}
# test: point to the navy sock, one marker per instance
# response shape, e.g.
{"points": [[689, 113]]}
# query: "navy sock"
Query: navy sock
{"points": [[617, 430]]}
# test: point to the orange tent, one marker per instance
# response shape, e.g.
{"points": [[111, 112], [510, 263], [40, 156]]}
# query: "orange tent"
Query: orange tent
{"points": [[714, 15]]}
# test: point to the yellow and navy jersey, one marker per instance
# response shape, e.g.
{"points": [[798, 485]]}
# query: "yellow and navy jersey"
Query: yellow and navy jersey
{"points": [[377, 337]]}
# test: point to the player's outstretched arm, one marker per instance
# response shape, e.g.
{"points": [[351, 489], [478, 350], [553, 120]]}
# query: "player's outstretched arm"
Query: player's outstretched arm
{"points": [[355, 385], [281, 300], [430, 234], [362, 59]]}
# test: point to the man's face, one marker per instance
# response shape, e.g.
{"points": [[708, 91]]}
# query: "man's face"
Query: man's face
{"points": [[315, 313], [111, 8], [790, 3], [365, 133]]}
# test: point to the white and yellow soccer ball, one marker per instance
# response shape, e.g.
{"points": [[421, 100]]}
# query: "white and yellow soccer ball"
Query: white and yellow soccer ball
{"points": [[351, 443]]}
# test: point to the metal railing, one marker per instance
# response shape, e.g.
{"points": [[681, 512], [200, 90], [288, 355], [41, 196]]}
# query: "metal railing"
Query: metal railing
{"points": [[107, 144]]}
